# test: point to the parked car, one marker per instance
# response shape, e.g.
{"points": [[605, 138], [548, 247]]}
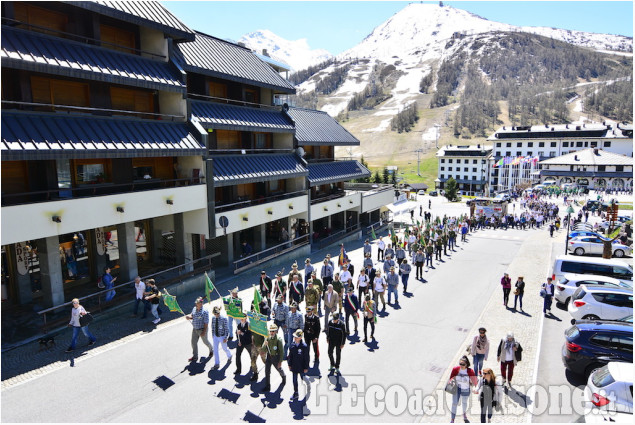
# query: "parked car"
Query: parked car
{"points": [[568, 285], [583, 245], [503, 196], [582, 226], [620, 220], [615, 268], [610, 388], [589, 346], [434, 193], [421, 192], [577, 233], [600, 302]]}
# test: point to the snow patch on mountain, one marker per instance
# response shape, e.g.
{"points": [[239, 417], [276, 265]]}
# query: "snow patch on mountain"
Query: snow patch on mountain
{"points": [[296, 53]]}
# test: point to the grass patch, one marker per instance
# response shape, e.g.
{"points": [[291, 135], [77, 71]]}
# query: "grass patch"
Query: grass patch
{"points": [[625, 207]]}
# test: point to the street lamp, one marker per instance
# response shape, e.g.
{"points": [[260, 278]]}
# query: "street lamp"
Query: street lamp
{"points": [[569, 212]]}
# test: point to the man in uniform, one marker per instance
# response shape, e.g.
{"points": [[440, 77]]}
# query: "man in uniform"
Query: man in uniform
{"points": [[400, 254], [404, 271], [312, 295], [336, 338], [237, 301], [389, 251], [266, 286], [326, 273], [317, 284], [392, 279], [298, 360], [388, 263], [368, 250], [296, 290], [273, 348], [368, 261], [279, 287], [429, 252], [308, 270], [294, 272], [312, 328], [338, 287], [351, 306], [438, 248], [295, 321], [256, 350]]}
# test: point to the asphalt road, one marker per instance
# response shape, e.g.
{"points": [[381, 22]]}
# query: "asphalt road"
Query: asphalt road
{"points": [[149, 379]]}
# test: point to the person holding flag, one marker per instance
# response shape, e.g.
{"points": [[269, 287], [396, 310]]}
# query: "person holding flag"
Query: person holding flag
{"points": [[351, 306], [342, 257], [232, 315]]}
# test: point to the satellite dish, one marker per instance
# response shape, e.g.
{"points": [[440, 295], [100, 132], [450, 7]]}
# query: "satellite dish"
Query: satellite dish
{"points": [[301, 151]]}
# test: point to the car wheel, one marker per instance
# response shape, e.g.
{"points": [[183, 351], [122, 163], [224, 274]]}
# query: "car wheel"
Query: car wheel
{"points": [[618, 253], [566, 302], [590, 317], [579, 251]]}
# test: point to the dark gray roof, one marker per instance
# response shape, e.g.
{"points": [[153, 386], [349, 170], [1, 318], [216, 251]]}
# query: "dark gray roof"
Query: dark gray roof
{"points": [[418, 186], [31, 136], [589, 157], [219, 58], [42, 53], [150, 14], [230, 117], [319, 128], [234, 169], [336, 171], [624, 175]]}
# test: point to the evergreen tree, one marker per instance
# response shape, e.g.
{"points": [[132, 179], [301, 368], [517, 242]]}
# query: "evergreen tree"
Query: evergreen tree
{"points": [[451, 189], [377, 178], [385, 176]]}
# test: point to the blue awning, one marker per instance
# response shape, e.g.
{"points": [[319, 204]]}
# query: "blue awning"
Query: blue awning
{"points": [[315, 128], [31, 51], [239, 169], [32, 136], [336, 171], [230, 117]]}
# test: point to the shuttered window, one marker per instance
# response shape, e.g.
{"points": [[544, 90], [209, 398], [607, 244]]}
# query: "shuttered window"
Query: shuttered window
{"points": [[40, 17], [131, 100], [14, 177], [117, 38], [217, 90], [59, 92], [227, 139]]}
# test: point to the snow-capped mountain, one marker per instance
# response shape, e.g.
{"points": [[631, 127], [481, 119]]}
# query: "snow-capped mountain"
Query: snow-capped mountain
{"points": [[297, 54]]}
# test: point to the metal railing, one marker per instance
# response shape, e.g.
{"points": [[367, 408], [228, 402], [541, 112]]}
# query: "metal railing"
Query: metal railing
{"points": [[264, 255], [96, 301], [233, 101], [377, 226], [339, 194], [251, 202], [60, 108], [91, 190], [249, 151], [323, 242]]}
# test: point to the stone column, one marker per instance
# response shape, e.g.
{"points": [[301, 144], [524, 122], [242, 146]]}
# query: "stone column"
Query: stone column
{"points": [[96, 253], [18, 257], [260, 243], [51, 270], [230, 249], [126, 238], [157, 241], [183, 242]]}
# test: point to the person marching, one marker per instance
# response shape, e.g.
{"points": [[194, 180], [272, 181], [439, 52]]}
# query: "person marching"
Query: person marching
{"points": [[243, 336], [331, 301], [279, 287], [351, 306], [311, 295], [419, 259], [319, 286], [294, 272], [273, 348], [326, 273], [388, 263], [280, 313], [266, 286], [239, 302], [338, 288], [429, 252], [308, 271], [336, 338], [298, 360], [295, 321], [296, 290], [256, 347], [404, 271], [400, 254], [369, 317], [392, 279], [379, 288], [381, 246], [200, 319], [220, 334], [312, 328], [363, 282], [368, 249]]}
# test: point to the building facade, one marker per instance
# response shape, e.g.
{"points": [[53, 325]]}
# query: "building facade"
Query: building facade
{"points": [[469, 165]]}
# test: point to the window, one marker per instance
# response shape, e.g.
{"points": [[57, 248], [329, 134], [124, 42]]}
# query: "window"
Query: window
{"points": [[117, 39], [578, 144], [552, 154], [508, 153], [498, 153], [442, 168], [473, 177], [508, 145], [466, 169], [607, 144], [586, 144], [227, 139], [465, 177], [498, 145], [619, 168], [601, 167], [541, 144], [131, 100], [40, 17], [86, 171], [554, 144], [262, 141], [252, 96], [519, 144], [474, 161], [482, 161], [276, 186], [449, 168], [518, 153], [530, 153], [449, 161], [541, 154], [565, 144], [474, 170], [458, 161], [530, 144], [59, 92], [442, 161], [442, 176], [217, 89]]}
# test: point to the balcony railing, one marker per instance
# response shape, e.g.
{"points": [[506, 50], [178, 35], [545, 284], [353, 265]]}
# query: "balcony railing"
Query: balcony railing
{"points": [[264, 200], [368, 188], [233, 101], [91, 190], [329, 197], [262, 256]]}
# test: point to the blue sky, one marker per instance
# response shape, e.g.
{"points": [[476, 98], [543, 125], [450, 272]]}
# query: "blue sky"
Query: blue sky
{"points": [[337, 26]]}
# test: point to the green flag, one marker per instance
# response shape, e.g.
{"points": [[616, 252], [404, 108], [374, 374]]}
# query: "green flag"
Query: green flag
{"points": [[170, 302], [372, 232], [209, 287], [257, 300], [258, 323], [233, 307]]}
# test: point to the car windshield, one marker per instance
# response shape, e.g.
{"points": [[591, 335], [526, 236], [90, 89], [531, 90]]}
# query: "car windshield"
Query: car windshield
{"points": [[602, 377], [628, 319]]}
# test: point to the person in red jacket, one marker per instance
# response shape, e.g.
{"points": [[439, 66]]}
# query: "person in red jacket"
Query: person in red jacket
{"points": [[506, 283], [464, 378]]}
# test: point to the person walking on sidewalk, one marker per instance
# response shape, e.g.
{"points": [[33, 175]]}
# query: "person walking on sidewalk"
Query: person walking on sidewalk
{"points": [[379, 288], [506, 283], [244, 339], [369, 317], [509, 353], [109, 283], [200, 319], [153, 296], [464, 378], [312, 328], [335, 338], [220, 334], [331, 301], [273, 347], [480, 350], [549, 288], [404, 271], [76, 312], [519, 291], [140, 288], [298, 361], [489, 394]]}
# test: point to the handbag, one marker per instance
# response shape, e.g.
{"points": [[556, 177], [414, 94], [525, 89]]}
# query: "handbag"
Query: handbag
{"points": [[85, 319], [100, 283], [516, 291], [543, 293], [451, 387]]}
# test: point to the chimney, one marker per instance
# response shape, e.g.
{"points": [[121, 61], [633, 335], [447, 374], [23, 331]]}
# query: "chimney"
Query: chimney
{"points": [[596, 152], [265, 52], [241, 44], [575, 157]]}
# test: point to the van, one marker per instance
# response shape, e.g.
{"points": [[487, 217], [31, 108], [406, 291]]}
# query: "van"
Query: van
{"points": [[617, 269]]}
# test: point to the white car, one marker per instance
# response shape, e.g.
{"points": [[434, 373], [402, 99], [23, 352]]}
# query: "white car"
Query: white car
{"points": [[610, 389], [583, 245], [620, 220], [592, 302], [421, 192], [571, 281]]}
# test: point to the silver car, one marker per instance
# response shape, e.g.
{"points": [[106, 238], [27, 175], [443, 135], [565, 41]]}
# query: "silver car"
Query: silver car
{"points": [[566, 286], [583, 245]]}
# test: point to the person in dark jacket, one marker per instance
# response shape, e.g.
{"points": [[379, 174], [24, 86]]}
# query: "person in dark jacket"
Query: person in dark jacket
{"points": [[509, 353], [519, 291], [296, 290], [336, 338], [312, 328], [351, 306], [298, 360], [243, 336]]}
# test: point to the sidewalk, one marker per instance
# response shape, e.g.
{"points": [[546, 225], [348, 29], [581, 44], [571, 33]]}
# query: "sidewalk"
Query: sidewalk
{"points": [[28, 362]]}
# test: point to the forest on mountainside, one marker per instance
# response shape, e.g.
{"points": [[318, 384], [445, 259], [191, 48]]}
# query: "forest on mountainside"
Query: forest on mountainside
{"points": [[614, 101]]}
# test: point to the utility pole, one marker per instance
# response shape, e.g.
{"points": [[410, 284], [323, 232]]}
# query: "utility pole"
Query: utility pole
{"points": [[418, 151], [438, 127]]}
